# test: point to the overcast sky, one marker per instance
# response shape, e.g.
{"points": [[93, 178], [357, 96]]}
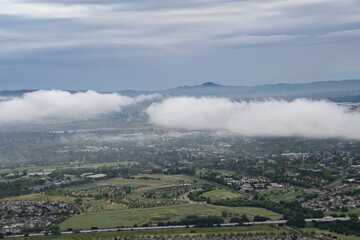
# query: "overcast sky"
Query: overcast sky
{"points": [[108, 45]]}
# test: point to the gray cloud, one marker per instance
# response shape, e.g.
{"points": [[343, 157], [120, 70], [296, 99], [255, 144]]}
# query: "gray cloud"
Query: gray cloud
{"points": [[300, 117], [174, 25], [56, 106], [71, 44]]}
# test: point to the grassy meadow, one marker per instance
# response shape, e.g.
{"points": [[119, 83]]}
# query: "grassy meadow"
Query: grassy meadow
{"points": [[261, 212], [280, 195], [128, 218], [221, 194]]}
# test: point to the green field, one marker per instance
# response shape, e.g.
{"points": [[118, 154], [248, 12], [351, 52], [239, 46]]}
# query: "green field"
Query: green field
{"points": [[85, 187], [139, 216], [154, 181], [351, 210], [221, 194], [142, 182], [261, 212], [280, 195]]}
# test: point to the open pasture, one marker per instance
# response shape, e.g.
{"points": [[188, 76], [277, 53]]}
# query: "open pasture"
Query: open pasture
{"points": [[261, 212], [281, 195], [221, 194], [128, 218]]}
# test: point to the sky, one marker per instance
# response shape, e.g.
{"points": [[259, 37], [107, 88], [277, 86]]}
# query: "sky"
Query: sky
{"points": [[108, 45]]}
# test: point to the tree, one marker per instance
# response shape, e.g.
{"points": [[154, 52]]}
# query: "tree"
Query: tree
{"points": [[297, 222], [258, 218], [224, 213], [353, 216], [55, 230], [244, 218], [235, 220], [344, 209]]}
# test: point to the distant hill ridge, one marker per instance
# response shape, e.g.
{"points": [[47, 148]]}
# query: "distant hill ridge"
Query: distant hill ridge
{"points": [[328, 88], [323, 89], [332, 83]]}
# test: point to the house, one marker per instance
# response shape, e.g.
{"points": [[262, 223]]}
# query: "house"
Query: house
{"points": [[14, 228], [247, 187]]}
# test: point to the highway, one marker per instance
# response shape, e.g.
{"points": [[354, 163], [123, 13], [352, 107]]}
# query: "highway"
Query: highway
{"points": [[276, 222]]}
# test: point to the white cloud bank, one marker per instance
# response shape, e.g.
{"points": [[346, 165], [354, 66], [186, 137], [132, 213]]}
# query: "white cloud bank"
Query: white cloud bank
{"points": [[300, 117], [46, 106]]}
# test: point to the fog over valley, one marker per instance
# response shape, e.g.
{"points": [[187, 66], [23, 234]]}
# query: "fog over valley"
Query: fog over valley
{"points": [[285, 115], [300, 117]]}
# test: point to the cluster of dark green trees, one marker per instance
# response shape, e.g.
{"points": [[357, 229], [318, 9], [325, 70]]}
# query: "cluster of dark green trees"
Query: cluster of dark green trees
{"points": [[19, 186], [351, 227], [196, 196], [198, 221], [241, 219]]}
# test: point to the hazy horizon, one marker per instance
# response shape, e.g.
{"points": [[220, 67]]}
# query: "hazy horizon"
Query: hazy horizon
{"points": [[175, 86]]}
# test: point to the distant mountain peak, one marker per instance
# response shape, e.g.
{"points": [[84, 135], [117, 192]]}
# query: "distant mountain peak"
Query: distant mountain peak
{"points": [[210, 84]]}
